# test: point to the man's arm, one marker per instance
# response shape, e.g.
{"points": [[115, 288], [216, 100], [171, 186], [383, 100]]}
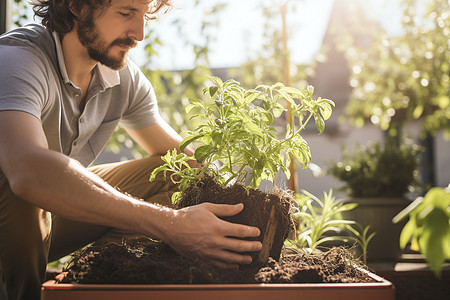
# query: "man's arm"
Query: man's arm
{"points": [[55, 182], [157, 138]]}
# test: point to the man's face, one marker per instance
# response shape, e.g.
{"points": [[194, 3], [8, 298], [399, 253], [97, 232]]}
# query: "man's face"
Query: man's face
{"points": [[109, 33]]}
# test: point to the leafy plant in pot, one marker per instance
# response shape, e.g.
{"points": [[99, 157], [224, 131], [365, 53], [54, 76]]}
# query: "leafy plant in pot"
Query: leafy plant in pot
{"points": [[237, 144], [377, 178]]}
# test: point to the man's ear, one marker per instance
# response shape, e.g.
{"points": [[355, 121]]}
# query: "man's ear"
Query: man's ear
{"points": [[75, 9]]}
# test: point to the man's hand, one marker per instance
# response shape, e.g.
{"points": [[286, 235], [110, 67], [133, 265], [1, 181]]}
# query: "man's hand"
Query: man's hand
{"points": [[196, 231]]}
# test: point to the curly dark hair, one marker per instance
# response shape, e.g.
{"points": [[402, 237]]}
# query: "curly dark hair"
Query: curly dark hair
{"points": [[58, 15]]}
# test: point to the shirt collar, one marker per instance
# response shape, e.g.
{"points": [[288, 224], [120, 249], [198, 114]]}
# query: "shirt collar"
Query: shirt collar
{"points": [[109, 76]]}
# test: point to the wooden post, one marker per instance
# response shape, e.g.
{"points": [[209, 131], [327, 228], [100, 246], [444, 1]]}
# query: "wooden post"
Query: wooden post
{"points": [[293, 180]]}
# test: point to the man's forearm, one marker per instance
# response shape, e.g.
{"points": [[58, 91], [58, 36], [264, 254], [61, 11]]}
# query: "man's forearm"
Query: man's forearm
{"points": [[61, 185]]}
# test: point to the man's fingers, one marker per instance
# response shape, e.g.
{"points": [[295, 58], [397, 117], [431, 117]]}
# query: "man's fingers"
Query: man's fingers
{"points": [[238, 245], [231, 229], [225, 210], [239, 230]]}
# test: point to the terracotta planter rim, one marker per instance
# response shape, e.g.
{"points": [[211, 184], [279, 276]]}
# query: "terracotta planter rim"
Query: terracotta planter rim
{"points": [[382, 289], [52, 285]]}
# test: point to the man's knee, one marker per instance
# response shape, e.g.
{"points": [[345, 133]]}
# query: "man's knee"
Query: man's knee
{"points": [[132, 177], [25, 230]]}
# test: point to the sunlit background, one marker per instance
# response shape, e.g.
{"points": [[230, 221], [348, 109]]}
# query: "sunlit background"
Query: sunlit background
{"points": [[239, 33]]}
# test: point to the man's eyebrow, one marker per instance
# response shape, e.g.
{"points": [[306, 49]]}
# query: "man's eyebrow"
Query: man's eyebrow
{"points": [[130, 8]]}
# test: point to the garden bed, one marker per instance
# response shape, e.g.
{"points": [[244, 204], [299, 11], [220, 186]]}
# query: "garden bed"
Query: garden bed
{"points": [[142, 269]]}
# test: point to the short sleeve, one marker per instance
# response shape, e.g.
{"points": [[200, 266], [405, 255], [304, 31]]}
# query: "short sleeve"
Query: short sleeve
{"points": [[143, 107], [23, 79]]}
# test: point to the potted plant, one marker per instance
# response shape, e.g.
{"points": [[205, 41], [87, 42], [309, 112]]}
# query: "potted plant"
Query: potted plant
{"points": [[377, 178], [428, 227], [238, 147], [237, 143]]}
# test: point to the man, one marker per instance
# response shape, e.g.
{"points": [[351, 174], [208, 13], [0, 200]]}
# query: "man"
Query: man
{"points": [[63, 89]]}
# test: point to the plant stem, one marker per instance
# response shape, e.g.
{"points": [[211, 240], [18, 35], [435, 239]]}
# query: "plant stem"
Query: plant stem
{"points": [[304, 124]]}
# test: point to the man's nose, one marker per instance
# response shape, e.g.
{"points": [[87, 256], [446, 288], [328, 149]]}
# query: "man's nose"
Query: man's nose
{"points": [[137, 31]]}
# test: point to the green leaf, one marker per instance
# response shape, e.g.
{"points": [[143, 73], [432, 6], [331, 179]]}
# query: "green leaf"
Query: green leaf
{"points": [[407, 233], [325, 109], [347, 207], [297, 93], [285, 96], [236, 97], [213, 90], [188, 140], [202, 153], [278, 110], [197, 103], [320, 123], [418, 110], [197, 116], [176, 197], [252, 128], [217, 80], [156, 171], [407, 210], [434, 238], [437, 197], [190, 107], [267, 117], [250, 96]]}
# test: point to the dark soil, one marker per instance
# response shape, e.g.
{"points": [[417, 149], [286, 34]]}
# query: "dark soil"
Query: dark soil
{"points": [[149, 262], [145, 261]]}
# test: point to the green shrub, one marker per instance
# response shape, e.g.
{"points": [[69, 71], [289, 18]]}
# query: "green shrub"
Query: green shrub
{"points": [[377, 170]]}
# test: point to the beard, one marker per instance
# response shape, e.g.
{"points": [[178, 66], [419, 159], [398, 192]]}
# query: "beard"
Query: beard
{"points": [[98, 49]]}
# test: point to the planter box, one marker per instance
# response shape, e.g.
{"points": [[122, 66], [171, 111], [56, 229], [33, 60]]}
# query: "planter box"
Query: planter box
{"points": [[368, 291], [378, 213]]}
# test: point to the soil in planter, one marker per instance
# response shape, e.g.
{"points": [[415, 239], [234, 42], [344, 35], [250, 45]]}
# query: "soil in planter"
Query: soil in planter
{"points": [[148, 262]]}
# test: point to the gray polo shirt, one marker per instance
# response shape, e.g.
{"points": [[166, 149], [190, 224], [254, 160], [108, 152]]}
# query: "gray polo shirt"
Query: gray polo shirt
{"points": [[33, 79]]}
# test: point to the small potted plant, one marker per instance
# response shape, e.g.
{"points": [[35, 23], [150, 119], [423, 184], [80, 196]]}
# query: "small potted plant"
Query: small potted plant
{"points": [[238, 147], [377, 178]]}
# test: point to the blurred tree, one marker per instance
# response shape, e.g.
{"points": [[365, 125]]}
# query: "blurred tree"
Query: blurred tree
{"points": [[403, 78], [19, 15], [398, 79]]}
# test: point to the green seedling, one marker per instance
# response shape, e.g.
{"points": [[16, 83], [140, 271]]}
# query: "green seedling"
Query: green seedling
{"points": [[362, 237], [317, 218]]}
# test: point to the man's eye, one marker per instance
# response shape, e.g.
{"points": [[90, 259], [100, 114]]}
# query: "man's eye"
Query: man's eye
{"points": [[124, 14]]}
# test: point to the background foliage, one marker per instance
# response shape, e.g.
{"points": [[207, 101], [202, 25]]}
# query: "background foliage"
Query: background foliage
{"points": [[397, 79]]}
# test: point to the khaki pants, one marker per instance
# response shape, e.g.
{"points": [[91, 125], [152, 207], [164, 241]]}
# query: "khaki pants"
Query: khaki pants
{"points": [[30, 236]]}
